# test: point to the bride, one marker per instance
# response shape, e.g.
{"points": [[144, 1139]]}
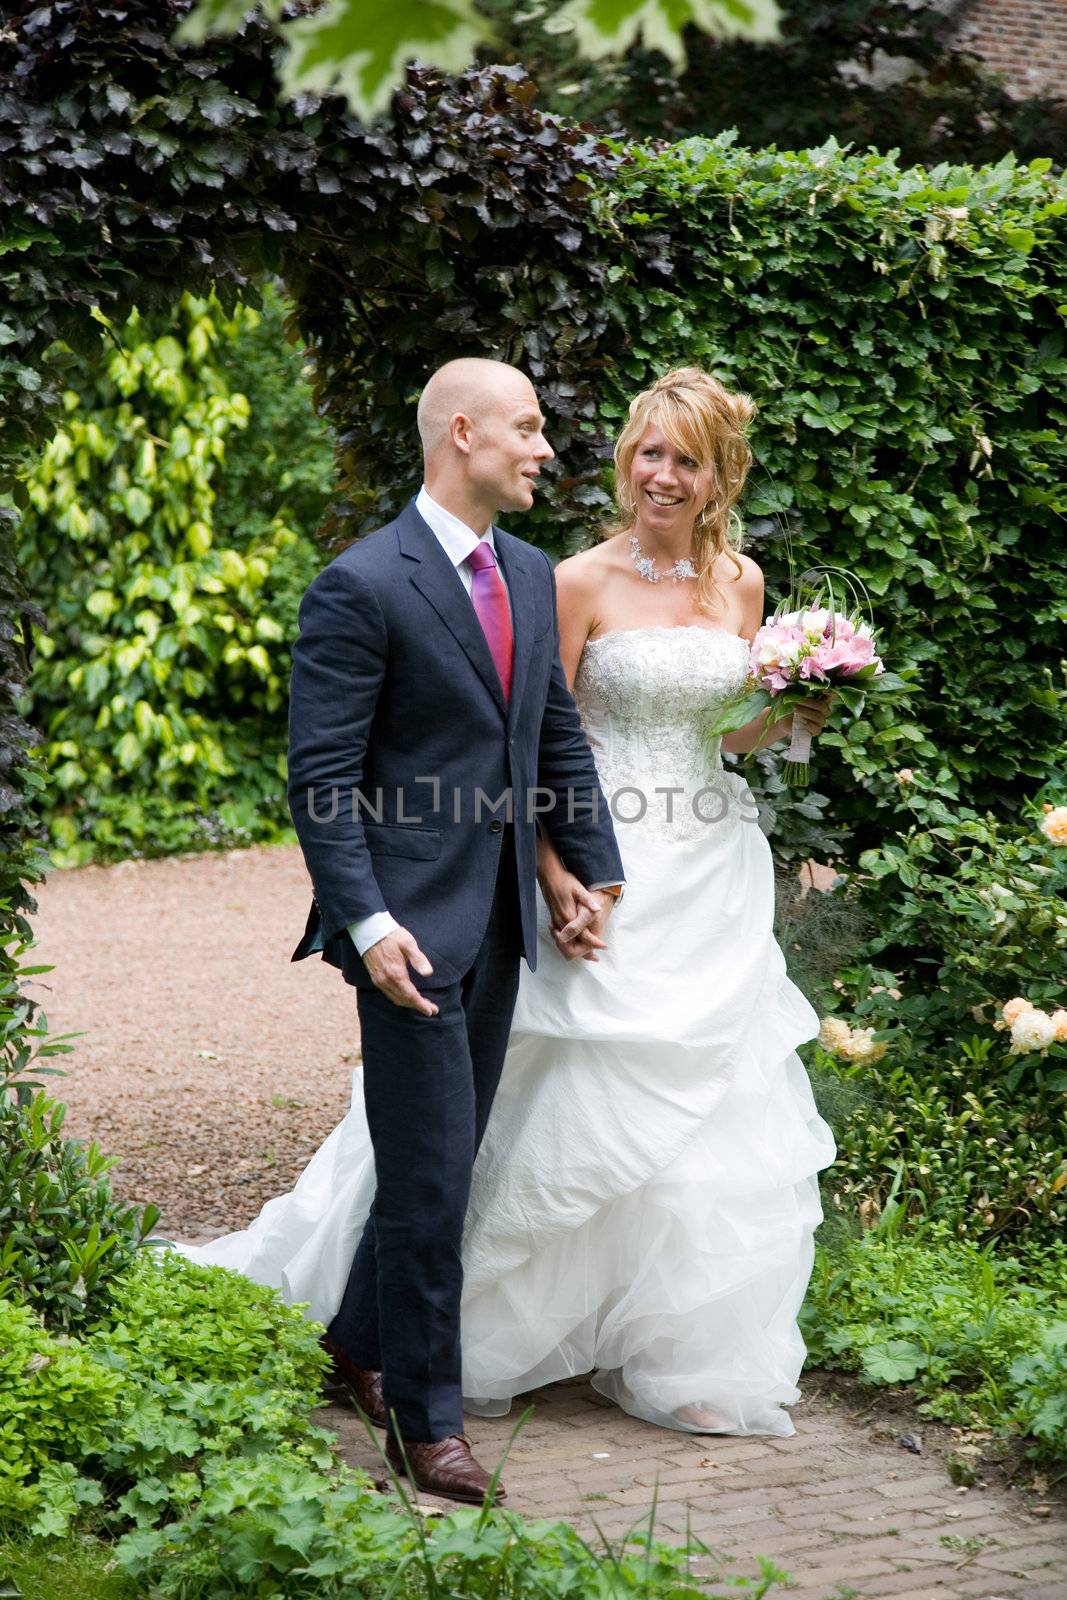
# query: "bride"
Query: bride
{"points": [[645, 1197]]}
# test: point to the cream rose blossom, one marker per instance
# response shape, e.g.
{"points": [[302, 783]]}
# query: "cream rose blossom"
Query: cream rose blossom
{"points": [[834, 1033], [1032, 1030], [1054, 824]]}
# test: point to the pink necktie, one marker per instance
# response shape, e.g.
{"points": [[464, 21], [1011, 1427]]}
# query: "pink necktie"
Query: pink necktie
{"points": [[491, 603]]}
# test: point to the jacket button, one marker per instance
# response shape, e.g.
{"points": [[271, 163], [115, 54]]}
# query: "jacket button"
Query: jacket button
{"points": [[496, 825]]}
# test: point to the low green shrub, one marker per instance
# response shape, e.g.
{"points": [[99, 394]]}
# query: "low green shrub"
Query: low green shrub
{"points": [[184, 1366], [64, 1238], [56, 1404], [170, 1318], [1039, 1379], [975, 1334], [214, 1367], [967, 912], [183, 1424], [272, 1528]]}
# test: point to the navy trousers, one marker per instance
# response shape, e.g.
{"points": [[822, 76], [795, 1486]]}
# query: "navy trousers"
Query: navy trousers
{"points": [[428, 1084]]}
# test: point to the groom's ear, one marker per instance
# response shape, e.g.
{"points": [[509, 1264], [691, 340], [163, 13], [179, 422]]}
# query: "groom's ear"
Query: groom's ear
{"points": [[460, 428]]}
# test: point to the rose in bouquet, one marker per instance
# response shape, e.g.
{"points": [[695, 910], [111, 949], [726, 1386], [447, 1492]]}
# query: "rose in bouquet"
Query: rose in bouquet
{"points": [[801, 655]]}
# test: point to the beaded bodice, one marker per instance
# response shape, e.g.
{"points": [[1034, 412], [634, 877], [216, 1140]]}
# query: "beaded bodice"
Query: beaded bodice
{"points": [[647, 697]]}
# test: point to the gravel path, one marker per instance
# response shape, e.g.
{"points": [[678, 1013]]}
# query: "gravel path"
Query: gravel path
{"points": [[210, 1065]]}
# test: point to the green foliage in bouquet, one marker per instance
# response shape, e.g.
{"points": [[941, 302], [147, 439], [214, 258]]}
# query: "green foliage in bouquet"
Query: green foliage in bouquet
{"points": [[967, 912], [161, 681], [976, 1335]]}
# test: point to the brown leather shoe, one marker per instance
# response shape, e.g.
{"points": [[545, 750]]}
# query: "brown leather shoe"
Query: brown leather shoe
{"points": [[445, 1467], [363, 1388]]}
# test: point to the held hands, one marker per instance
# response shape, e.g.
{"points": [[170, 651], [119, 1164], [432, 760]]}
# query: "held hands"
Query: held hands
{"points": [[578, 915], [387, 962]]}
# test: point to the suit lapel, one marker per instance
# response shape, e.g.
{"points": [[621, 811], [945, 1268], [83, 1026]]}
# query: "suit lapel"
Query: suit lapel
{"points": [[440, 584], [515, 565]]}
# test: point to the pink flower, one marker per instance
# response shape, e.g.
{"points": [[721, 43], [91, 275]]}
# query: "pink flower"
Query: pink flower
{"points": [[810, 667], [845, 655]]}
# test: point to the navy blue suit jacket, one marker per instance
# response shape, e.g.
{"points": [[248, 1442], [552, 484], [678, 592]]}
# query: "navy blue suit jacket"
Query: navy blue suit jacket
{"points": [[401, 746]]}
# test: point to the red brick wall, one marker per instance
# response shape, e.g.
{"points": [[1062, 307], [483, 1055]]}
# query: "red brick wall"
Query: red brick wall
{"points": [[1026, 39]]}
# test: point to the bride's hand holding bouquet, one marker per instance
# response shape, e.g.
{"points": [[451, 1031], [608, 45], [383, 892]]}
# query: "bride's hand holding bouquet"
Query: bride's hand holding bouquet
{"points": [[801, 660]]}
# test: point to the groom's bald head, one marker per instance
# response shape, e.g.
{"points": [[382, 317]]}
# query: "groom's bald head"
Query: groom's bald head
{"points": [[471, 387], [482, 437]]}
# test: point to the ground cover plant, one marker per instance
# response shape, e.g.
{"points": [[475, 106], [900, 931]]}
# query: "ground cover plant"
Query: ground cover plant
{"points": [[978, 1336]]}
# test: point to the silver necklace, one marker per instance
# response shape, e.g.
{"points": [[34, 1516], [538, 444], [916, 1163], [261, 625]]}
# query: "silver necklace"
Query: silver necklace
{"points": [[646, 565]]}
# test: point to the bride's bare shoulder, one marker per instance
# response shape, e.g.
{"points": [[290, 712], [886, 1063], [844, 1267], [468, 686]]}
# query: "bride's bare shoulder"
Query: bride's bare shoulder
{"points": [[747, 583], [585, 571], [751, 572]]}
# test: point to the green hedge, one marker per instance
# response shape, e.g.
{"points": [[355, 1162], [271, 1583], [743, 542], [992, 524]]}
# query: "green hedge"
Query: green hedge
{"points": [[902, 332]]}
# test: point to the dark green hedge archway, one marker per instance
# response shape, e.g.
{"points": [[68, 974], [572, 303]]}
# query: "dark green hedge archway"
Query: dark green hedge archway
{"points": [[132, 171]]}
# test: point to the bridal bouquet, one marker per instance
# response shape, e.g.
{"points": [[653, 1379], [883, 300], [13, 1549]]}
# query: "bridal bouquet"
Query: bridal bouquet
{"points": [[800, 655]]}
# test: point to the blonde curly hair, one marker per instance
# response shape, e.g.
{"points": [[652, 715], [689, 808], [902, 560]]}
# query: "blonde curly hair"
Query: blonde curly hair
{"points": [[701, 417]]}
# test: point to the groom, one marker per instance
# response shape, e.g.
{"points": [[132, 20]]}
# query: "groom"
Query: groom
{"points": [[431, 732]]}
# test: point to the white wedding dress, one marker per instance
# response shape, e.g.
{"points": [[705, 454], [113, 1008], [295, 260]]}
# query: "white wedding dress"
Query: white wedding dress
{"points": [[645, 1199]]}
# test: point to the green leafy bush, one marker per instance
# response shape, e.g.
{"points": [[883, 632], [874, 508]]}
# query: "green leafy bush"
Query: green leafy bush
{"points": [[182, 1367], [279, 467], [170, 1318], [967, 912], [64, 1237], [1039, 1380], [162, 680], [974, 1334], [56, 1403]]}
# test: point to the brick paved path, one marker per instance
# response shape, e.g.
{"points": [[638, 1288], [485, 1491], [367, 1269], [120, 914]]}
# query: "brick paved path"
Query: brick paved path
{"points": [[848, 1515]]}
